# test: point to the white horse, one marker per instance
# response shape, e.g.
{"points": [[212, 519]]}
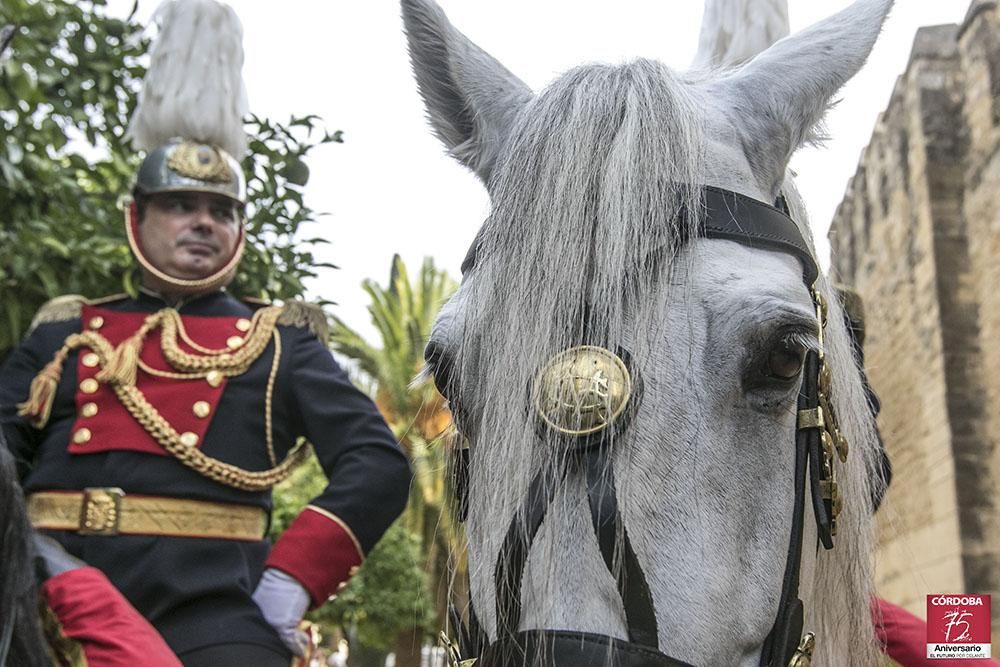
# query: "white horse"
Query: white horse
{"points": [[596, 185]]}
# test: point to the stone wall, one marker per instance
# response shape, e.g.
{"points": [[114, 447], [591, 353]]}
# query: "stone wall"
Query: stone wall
{"points": [[979, 45], [918, 236]]}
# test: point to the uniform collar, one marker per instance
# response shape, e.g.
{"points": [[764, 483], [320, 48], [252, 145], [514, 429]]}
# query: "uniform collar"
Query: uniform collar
{"points": [[195, 302]]}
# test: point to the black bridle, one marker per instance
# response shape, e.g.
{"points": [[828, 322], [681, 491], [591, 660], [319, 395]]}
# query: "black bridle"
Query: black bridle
{"points": [[731, 216]]}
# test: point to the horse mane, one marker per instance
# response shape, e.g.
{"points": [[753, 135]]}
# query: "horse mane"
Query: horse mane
{"points": [[18, 586], [593, 198]]}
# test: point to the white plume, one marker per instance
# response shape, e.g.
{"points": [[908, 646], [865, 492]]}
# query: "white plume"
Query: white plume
{"points": [[734, 31], [194, 88]]}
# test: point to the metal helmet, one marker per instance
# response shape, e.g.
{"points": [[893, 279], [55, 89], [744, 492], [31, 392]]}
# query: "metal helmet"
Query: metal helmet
{"points": [[189, 166]]}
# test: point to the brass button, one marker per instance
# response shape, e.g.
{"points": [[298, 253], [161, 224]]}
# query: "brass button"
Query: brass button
{"points": [[353, 571], [82, 436], [89, 386], [234, 342], [201, 409], [90, 360], [96, 322], [88, 409], [243, 324], [214, 378], [189, 439]]}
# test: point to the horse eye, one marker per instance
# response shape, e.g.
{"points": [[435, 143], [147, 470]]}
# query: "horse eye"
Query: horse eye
{"points": [[785, 360]]}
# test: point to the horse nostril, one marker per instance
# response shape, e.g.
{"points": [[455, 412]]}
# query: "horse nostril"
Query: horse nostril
{"points": [[439, 364]]}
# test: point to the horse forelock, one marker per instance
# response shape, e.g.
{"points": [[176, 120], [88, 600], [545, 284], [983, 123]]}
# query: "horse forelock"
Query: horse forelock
{"points": [[586, 197]]}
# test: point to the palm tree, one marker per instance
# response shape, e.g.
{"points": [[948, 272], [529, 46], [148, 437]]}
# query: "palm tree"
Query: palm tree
{"points": [[403, 313]]}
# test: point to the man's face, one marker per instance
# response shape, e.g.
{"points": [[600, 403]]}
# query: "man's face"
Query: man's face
{"points": [[189, 235]]}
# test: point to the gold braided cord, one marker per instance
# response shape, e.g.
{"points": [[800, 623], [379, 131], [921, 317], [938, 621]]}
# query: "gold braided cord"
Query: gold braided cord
{"points": [[159, 428], [268, 396], [261, 321], [229, 362], [197, 460], [146, 368]]}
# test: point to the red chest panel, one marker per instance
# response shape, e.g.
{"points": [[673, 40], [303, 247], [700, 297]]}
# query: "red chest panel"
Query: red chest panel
{"points": [[188, 404]]}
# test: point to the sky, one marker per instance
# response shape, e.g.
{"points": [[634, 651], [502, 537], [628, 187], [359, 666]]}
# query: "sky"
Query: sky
{"points": [[390, 187]]}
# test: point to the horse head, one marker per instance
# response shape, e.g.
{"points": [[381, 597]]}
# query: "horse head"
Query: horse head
{"points": [[596, 314]]}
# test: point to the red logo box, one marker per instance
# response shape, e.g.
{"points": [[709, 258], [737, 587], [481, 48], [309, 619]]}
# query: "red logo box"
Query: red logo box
{"points": [[958, 626]]}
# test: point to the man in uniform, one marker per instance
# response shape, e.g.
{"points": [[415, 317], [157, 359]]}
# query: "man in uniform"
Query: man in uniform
{"points": [[149, 431]]}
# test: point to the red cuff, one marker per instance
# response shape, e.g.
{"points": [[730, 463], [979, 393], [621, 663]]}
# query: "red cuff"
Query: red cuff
{"points": [[319, 550], [111, 632]]}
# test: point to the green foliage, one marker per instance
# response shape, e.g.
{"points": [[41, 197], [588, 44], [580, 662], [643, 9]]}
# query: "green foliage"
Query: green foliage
{"points": [[276, 260], [68, 84], [389, 594], [292, 495]]}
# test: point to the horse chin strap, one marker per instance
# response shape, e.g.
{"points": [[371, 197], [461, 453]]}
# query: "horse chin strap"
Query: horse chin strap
{"points": [[586, 395]]}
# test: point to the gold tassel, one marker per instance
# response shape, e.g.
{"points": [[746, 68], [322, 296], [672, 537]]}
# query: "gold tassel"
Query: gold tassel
{"points": [[41, 394], [122, 366]]}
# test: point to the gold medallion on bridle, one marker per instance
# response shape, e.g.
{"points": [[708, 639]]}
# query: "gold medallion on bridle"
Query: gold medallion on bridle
{"points": [[582, 391], [199, 161]]}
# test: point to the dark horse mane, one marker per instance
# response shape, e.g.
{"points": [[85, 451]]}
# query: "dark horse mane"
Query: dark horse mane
{"points": [[18, 585]]}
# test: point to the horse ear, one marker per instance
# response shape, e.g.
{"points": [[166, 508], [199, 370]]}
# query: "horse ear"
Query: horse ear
{"points": [[780, 96], [471, 99]]}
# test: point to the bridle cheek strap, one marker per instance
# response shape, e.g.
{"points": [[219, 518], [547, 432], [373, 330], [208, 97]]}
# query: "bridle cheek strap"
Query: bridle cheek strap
{"points": [[783, 640]]}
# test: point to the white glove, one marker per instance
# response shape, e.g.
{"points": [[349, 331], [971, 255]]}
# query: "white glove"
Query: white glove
{"points": [[53, 559], [283, 602]]}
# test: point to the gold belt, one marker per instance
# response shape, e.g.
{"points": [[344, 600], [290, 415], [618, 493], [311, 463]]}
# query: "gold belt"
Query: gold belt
{"points": [[108, 511]]}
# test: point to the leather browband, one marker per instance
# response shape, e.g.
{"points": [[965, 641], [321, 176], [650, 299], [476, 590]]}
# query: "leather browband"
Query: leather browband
{"points": [[735, 217], [732, 216]]}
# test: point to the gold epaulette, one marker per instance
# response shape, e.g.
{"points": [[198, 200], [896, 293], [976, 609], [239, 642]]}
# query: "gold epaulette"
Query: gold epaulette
{"points": [[310, 315], [59, 309], [66, 307]]}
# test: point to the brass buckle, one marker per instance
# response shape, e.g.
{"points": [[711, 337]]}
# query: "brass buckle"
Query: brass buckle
{"points": [[804, 653], [101, 510]]}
